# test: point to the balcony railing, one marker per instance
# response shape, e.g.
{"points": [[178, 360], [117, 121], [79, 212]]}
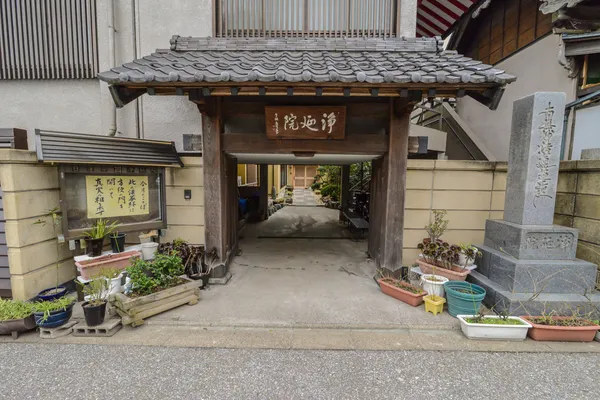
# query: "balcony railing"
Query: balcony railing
{"points": [[306, 18]]}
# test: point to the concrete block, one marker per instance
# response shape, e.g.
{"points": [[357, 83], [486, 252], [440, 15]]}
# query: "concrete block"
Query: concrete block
{"points": [[469, 220], [192, 161], [531, 242], [419, 179], [412, 237], [463, 180], [185, 215], [175, 196], [28, 285], [537, 276], [589, 252], [30, 204], [461, 200], [590, 154], [534, 158], [21, 177], [416, 219], [499, 181], [465, 165], [588, 183], [189, 176], [567, 182], [418, 199], [421, 164], [193, 234], [563, 220], [498, 199], [496, 214], [589, 229], [565, 203], [464, 236], [587, 206], [25, 232], [54, 333], [107, 329]]}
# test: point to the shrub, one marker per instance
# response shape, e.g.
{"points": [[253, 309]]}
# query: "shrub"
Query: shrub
{"points": [[14, 309], [315, 186], [150, 276]]}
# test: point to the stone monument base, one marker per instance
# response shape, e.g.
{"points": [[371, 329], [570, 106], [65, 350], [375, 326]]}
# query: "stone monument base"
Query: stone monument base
{"points": [[537, 276], [535, 303]]}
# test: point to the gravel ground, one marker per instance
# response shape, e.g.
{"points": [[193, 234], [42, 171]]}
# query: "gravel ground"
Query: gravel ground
{"points": [[98, 372]]}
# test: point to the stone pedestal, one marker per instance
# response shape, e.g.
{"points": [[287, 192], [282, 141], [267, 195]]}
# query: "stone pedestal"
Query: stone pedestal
{"points": [[529, 264]]}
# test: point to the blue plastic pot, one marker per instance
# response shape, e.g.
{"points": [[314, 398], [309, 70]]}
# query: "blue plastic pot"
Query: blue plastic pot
{"points": [[42, 296], [55, 319], [460, 303]]}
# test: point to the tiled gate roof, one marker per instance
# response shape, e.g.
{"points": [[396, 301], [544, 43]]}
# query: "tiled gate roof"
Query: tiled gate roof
{"points": [[347, 60]]}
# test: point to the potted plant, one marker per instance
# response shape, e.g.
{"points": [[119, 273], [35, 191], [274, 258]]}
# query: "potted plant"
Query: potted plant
{"points": [[52, 216], [403, 291], [438, 253], [155, 287], [493, 327], [434, 304], [96, 293], [553, 328], [52, 314], [117, 241], [89, 267], [464, 298], [468, 254], [114, 278], [94, 237], [15, 317]]}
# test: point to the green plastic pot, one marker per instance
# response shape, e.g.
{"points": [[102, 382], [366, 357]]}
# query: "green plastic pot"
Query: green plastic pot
{"points": [[460, 303]]}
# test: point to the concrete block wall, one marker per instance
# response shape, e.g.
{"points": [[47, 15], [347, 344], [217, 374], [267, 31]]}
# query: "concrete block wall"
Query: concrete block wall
{"points": [[185, 218], [471, 192], [30, 189], [578, 205]]}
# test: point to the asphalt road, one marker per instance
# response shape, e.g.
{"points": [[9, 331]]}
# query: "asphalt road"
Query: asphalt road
{"points": [[52, 371]]}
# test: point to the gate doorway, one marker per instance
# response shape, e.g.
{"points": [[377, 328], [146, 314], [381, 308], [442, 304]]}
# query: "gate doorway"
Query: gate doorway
{"points": [[304, 175]]}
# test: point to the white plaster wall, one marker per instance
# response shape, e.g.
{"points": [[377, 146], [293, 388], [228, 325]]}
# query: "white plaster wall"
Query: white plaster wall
{"points": [[84, 105], [538, 70]]}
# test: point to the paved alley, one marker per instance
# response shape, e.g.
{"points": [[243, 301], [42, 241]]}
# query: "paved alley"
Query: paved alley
{"points": [[304, 197]]}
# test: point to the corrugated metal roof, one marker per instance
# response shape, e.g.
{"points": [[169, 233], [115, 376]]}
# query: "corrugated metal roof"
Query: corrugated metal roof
{"points": [[77, 148], [435, 17]]}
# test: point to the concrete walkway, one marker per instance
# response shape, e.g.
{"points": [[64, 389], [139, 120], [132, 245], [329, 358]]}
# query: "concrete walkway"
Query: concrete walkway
{"points": [[304, 197]]}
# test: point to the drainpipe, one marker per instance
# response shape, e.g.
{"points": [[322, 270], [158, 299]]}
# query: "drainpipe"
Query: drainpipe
{"points": [[568, 109], [112, 130], [135, 23]]}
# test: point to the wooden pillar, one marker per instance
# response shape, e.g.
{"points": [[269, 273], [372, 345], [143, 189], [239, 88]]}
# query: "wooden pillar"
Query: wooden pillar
{"points": [[215, 184], [264, 191], [345, 192]]}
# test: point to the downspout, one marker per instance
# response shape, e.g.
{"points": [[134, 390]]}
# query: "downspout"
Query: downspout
{"points": [[134, 34], [112, 129], [568, 109]]}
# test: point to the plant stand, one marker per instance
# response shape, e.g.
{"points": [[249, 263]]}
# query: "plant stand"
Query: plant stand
{"points": [[53, 333], [133, 311], [107, 329], [434, 304]]}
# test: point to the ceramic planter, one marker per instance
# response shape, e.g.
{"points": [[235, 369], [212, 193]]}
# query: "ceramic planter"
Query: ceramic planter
{"points": [[551, 333], [148, 250], [94, 315], [462, 260], [16, 326], [455, 274], [434, 287], [55, 319], [434, 304], [117, 242], [52, 293], [94, 246], [460, 303], [493, 331], [93, 266], [133, 311], [396, 292]]}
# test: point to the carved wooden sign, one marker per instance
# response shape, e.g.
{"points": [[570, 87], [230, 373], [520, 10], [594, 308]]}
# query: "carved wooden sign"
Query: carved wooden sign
{"points": [[305, 122]]}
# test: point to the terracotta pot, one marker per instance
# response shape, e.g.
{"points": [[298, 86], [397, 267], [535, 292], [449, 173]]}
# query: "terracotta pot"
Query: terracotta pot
{"points": [[400, 294], [454, 274], [93, 266], [550, 333]]}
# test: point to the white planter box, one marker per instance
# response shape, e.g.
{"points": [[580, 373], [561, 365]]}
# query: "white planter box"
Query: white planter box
{"points": [[494, 332]]}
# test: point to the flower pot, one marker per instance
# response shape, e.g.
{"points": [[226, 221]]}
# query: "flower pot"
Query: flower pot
{"points": [[396, 292], [455, 274], [462, 260], [117, 242], [115, 285], [148, 250], [550, 333], [16, 326], [494, 331], [434, 287], [460, 303], [94, 247], [434, 304], [93, 266], [52, 293], [145, 238], [55, 319], [94, 315]]}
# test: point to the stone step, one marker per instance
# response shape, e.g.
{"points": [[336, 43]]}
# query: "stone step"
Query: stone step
{"points": [[535, 303], [533, 276]]}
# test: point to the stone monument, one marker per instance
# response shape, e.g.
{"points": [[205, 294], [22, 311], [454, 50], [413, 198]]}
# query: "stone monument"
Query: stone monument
{"points": [[529, 264]]}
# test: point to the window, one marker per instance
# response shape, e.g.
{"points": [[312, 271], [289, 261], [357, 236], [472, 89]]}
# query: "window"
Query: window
{"points": [[48, 39]]}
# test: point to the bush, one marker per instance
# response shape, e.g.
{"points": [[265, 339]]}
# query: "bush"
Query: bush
{"points": [[332, 191], [315, 186], [161, 273]]}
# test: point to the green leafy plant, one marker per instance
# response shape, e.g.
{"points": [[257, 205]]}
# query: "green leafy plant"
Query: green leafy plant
{"points": [[49, 306], [101, 228], [96, 290], [111, 273], [470, 252], [14, 309], [439, 253], [53, 217], [438, 226], [149, 276], [191, 256]]}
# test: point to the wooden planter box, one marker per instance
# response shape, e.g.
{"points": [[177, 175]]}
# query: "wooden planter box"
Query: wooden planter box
{"points": [[133, 311], [400, 294], [455, 274], [552, 333]]}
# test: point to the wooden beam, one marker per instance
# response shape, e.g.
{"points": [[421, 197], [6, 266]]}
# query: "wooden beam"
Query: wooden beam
{"points": [[215, 186], [258, 143], [263, 191]]}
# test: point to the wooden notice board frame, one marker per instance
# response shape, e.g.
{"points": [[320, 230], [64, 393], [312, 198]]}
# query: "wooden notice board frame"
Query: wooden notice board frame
{"points": [[305, 122]]}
